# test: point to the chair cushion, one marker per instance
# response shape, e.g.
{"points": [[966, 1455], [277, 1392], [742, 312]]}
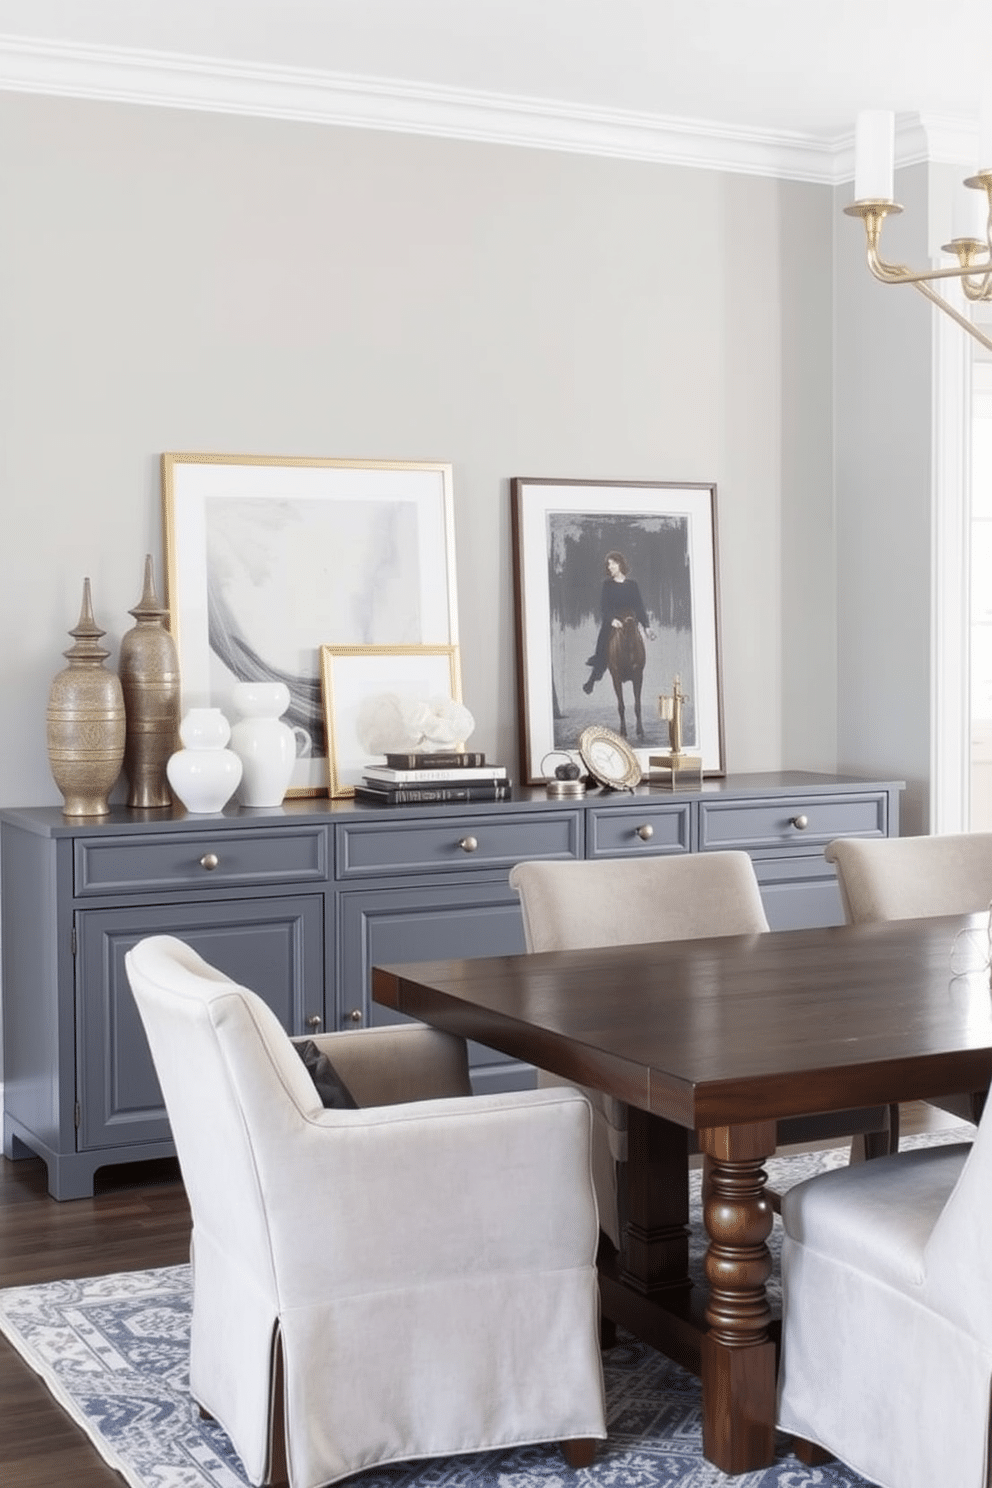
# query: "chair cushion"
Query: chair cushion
{"points": [[332, 1090], [876, 1217]]}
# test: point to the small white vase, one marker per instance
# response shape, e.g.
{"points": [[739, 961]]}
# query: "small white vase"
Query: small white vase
{"points": [[204, 774], [265, 746]]}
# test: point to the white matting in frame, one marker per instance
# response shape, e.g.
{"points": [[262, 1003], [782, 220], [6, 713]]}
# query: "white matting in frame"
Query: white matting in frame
{"points": [[351, 674], [664, 536], [268, 558]]}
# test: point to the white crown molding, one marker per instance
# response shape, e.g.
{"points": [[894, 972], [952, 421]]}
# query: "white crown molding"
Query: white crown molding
{"points": [[930, 139], [167, 80]]}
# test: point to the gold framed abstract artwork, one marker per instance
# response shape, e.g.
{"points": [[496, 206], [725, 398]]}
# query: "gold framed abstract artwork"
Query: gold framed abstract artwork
{"points": [[269, 557]]}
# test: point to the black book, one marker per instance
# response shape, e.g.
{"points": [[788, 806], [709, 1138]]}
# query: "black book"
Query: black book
{"points": [[416, 795], [442, 759]]}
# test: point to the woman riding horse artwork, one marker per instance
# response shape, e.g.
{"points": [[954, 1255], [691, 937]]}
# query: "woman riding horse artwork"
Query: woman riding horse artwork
{"points": [[615, 593], [623, 627], [620, 592]]}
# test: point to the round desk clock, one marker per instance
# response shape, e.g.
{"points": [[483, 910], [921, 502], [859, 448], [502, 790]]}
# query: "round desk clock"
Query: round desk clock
{"points": [[609, 759]]}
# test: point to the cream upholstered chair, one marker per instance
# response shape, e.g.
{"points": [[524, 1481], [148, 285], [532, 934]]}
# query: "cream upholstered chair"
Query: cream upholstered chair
{"points": [[412, 1278], [912, 878], [916, 878], [887, 1316], [569, 905]]}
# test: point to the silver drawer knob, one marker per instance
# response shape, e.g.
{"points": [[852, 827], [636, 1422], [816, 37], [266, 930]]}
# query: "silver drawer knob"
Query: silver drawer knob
{"points": [[316, 1022], [646, 832], [469, 844], [355, 1016], [800, 823], [209, 861]]}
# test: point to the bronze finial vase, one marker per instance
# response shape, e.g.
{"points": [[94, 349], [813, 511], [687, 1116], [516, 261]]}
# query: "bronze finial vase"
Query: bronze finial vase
{"points": [[149, 673], [86, 721]]}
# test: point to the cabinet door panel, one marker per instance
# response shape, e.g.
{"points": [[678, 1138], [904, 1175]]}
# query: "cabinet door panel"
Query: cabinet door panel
{"points": [[801, 906], [381, 927], [799, 893], [273, 946]]}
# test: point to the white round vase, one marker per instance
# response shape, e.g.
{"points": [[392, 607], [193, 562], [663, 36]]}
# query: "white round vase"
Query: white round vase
{"points": [[264, 744], [204, 774]]}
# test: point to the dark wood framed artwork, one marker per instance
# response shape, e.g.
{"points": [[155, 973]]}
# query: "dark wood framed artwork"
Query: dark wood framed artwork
{"points": [[595, 557]]}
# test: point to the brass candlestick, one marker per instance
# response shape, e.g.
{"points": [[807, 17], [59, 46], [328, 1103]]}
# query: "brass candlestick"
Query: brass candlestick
{"points": [[678, 768]]}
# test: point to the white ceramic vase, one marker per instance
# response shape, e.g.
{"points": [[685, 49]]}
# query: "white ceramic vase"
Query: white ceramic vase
{"points": [[204, 774], [265, 745]]}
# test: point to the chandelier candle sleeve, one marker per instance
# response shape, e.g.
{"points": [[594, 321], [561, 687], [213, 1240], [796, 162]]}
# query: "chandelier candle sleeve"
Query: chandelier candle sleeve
{"points": [[874, 155], [985, 134], [970, 211]]}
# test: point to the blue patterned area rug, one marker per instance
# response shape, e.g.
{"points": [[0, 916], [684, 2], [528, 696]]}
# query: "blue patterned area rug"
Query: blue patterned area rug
{"points": [[113, 1352]]}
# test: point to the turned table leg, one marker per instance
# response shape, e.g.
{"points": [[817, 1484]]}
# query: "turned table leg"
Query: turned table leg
{"points": [[738, 1361]]}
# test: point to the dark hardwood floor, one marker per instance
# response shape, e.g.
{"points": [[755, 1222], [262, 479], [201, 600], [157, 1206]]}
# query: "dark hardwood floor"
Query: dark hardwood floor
{"points": [[138, 1219]]}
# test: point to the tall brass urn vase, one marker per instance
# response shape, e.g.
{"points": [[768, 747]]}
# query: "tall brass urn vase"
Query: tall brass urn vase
{"points": [[86, 721], [148, 665]]}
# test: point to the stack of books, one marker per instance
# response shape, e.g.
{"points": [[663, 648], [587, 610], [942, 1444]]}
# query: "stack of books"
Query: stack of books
{"points": [[415, 779]]}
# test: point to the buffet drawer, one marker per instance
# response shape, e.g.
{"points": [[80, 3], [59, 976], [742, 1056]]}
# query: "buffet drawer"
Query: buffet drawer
{"points": [[461, 843], [644, 830], [138, 865], [790, 822]]}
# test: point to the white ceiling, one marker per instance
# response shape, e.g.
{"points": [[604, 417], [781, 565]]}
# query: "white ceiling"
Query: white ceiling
{"points": [[786, 73]]}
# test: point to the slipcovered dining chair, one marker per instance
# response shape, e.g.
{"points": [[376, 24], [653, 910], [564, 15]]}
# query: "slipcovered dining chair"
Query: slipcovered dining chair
{"points": [[569, 905], [409, 1277], [887, 1316], [916, 878]]}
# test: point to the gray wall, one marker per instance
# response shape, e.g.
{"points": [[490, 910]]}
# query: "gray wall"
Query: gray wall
{"points": [[174, 280], [883, 394], [805, 415]]}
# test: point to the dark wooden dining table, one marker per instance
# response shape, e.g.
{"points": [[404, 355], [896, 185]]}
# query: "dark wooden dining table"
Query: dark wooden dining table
{"points": [[723, 1037]]}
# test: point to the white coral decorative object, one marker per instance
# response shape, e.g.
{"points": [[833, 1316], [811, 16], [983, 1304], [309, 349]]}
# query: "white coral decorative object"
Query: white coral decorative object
{"points": [[447, 723], [390, 724]]}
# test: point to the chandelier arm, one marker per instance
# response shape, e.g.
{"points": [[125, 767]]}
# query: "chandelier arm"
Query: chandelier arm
{"points": [[976, 277], [980, 290], [900, 274], [873, 184], [949, 309]]}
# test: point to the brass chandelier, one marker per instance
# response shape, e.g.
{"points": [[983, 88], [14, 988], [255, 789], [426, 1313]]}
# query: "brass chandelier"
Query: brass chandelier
{"points": [[873, 187]]}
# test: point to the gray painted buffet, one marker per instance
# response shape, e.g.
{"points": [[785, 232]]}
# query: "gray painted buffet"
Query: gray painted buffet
{"points": [[300, 901]]}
